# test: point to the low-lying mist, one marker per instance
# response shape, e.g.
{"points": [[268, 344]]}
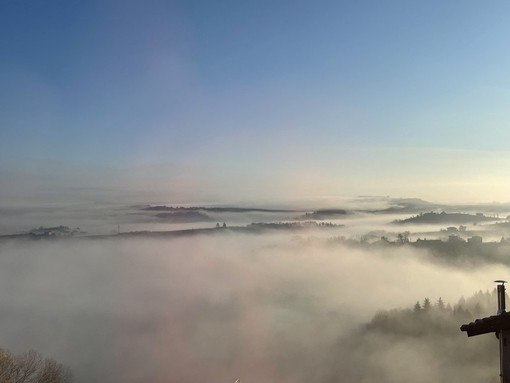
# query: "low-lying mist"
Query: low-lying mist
{"points": [[263, 308]]}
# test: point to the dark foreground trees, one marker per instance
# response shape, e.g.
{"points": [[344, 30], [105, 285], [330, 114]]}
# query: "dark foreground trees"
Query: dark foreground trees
{"points": [[31, 367]]}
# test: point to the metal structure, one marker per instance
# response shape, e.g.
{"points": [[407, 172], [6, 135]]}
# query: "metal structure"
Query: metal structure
{"points": [[498, 324]]}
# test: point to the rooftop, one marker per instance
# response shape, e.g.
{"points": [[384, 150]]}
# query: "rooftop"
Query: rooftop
{"points": [[486, 325]]}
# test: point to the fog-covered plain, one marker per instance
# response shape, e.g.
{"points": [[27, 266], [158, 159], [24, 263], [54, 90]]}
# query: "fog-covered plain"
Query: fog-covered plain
{"points": [[260, 307]]}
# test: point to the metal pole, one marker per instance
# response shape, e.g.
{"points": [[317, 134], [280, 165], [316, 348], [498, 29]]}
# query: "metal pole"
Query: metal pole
{"points": [[504, 355], [504, 337], [501, 298]]}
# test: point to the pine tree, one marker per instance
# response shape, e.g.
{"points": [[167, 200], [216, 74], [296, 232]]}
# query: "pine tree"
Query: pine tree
{"points": [[440, 304], [426, 304]]}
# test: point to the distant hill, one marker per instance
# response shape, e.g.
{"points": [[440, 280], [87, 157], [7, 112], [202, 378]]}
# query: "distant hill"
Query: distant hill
{"points": [[216, 209], [408, 205], [443, 217], [325, 214], [416, 205]]}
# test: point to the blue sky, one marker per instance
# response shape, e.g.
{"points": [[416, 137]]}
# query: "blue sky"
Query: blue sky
{"points": [[249, 99]]}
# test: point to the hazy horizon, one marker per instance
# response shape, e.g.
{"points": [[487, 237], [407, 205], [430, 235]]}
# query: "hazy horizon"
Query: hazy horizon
{"points": [[245, 101]]}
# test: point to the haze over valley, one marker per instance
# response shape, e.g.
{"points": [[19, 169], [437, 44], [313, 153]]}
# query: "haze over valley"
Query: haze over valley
{"points": [[252, 191]]}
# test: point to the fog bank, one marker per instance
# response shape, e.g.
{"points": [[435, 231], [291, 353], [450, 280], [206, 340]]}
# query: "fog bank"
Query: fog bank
{"points": [[266, 308]]}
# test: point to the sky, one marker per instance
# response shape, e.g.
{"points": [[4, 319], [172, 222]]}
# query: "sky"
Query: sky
{"points": [[255, 100]]}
